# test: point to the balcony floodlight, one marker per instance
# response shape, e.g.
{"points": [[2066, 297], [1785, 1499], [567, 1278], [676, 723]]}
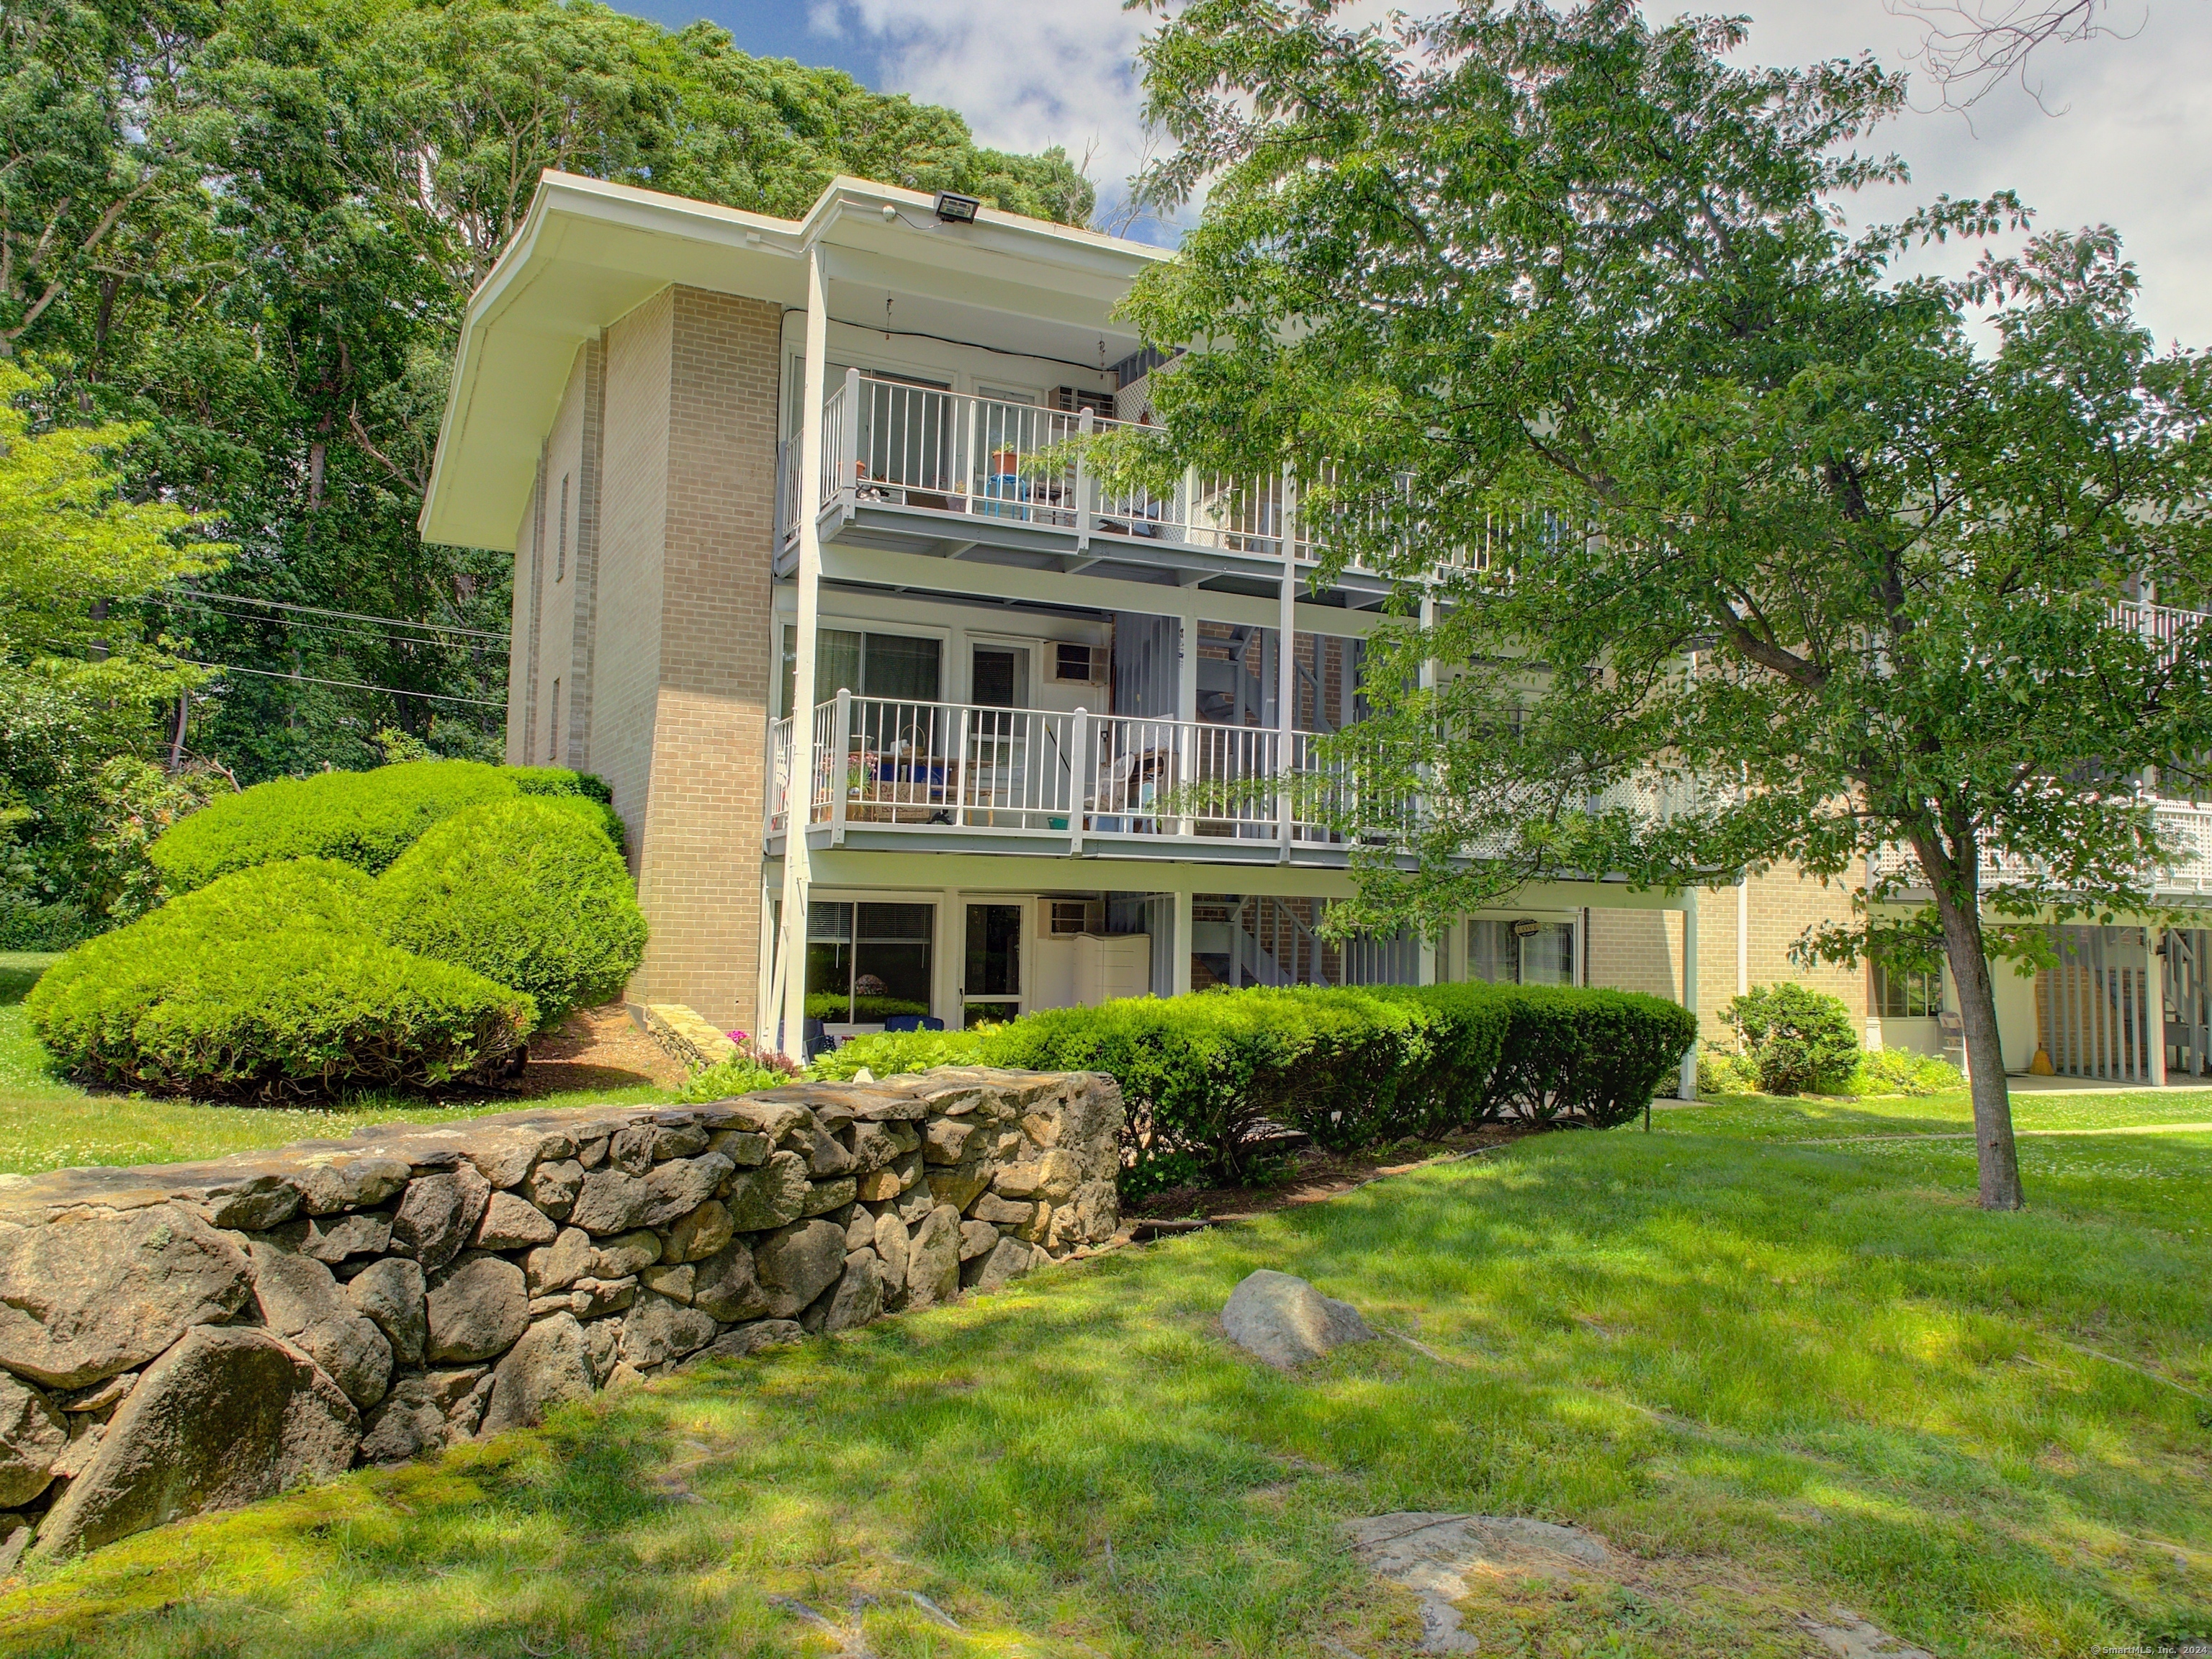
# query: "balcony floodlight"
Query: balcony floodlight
{"points": [[957, 209]]}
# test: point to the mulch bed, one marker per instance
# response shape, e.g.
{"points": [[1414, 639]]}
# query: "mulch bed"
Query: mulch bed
{"points": [[1309, 1176], [595, 1049]]}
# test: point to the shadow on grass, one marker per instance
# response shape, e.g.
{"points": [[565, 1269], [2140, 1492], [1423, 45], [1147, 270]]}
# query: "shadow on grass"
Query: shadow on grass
{"points": [[1782, 1376]]}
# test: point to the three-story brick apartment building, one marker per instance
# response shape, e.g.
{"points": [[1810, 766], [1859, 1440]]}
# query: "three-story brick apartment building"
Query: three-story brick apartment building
{"points": [[904, 714]]}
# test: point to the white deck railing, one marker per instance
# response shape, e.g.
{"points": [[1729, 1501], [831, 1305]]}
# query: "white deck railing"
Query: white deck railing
{"points": [[2184, 827], [893, 443], [899, 762]]}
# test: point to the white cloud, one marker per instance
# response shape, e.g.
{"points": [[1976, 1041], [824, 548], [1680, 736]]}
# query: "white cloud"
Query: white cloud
{"points": [[1027, 74], [2132, 146]]}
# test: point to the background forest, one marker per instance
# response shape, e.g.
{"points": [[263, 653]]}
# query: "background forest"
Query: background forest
{"points": [[236, 237]]}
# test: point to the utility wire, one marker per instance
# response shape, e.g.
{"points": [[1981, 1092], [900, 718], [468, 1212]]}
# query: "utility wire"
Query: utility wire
{"points": [[349, 616], [351, 632], [350, 685]]}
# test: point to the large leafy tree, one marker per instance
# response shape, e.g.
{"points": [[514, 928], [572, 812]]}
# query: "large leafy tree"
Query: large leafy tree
{"points": [[251, 227], [1751, 549], [84, 663]]}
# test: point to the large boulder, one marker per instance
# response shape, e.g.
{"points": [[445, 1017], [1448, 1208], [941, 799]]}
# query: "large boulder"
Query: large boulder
{"points": [[32, 1435], [1281, 1319], [682, 1185], [1008, 1259], [549, 1366], [695, 1236], [511, 1222], [390, 1292], [860, 1296], [437, 1215], [228, 1415], [798, 1263], [726, 1286], [932, 1264], [770, 1196], [300, 1299], [612, 1201], [476, 1311], [93, 1293], [658, 1329]]}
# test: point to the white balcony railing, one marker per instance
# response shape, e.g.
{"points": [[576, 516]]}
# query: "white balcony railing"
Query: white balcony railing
{"points": [[893, 443], [892, 762], [2184, 827]]}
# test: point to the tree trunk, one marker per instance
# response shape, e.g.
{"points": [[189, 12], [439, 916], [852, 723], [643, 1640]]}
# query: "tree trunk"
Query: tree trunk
{"points": [[1997, 1156]]}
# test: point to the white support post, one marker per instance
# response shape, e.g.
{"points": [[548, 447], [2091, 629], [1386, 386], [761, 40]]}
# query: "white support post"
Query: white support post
{"points": [[1180, 956], [1688, 1091], [848, 459], [2155, 996], [841, 764], [764, 1003], [791, 953], [951, 961], [1078, 776], [1086, 424], [1287, 688], [1186, 704], [1743, 936]]}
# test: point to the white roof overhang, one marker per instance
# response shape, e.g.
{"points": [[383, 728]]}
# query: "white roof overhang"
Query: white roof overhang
{"points": [[588, 253]]}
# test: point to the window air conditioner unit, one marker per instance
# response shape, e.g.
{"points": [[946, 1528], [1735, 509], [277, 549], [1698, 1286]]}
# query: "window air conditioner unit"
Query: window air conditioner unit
{"points": [[1078, 665]]}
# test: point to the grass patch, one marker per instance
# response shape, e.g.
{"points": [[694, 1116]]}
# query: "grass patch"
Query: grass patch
{"points": [[1785, 1376], [47, 1123]]}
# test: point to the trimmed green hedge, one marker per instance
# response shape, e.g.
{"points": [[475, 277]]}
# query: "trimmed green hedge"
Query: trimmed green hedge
{"points": [[527, 893], [1353, 1068], [366, 819], [266, 983], [1595, 1056]]}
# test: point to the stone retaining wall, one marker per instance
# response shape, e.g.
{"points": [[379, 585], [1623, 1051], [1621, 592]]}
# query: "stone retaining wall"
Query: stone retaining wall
{"points": [[186, 1337]]}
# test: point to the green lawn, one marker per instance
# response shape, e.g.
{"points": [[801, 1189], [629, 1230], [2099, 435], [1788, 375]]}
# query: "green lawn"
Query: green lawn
{"points": [[1785, 1376], [47, 1123]]}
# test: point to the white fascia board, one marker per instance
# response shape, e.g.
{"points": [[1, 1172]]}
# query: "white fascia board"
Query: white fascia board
{"points": [[883, 568], [588, 253]]}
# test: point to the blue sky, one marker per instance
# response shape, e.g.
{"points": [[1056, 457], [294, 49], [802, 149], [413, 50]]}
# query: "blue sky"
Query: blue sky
{"points": [[2131, 143], [774, 31]]}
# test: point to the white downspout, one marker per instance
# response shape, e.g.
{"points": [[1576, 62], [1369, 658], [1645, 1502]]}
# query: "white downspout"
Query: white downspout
{"points": [[798, 873]]}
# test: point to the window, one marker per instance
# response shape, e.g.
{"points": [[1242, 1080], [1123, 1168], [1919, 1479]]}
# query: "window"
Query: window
{"points": [[867, 664], [1521, 952], [865, 962], [1901, 993], [553, 736], [561, 548], [1066, 917]]}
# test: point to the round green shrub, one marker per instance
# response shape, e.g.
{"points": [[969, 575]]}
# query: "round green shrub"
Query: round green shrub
{"points": [[270, 982], [523, 891], [366, 819], [1795, 1038]]}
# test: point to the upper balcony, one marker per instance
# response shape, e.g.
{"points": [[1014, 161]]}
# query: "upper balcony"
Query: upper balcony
{"points": [[916, 469]]}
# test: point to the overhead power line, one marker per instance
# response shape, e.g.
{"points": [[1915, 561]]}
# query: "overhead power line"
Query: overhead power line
{"points": [[215, 609], [350, 685], [349, 616]]}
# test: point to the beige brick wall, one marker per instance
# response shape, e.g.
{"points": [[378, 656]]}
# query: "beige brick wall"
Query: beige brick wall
{"points": [[522, 632], [699, 877], [1642, 950], [670, 633], [633, 498]]}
